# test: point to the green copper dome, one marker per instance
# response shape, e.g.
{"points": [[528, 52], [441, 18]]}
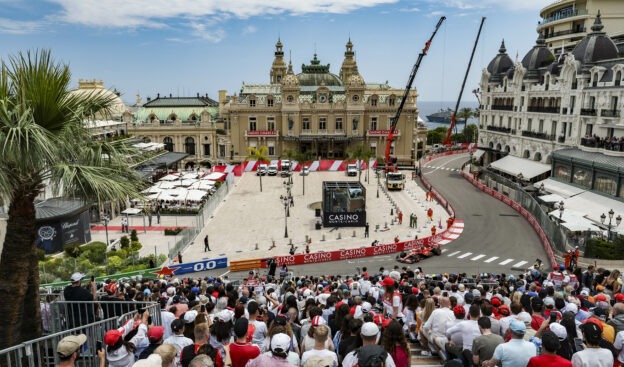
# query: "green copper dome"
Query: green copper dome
{"points": [[316, 74]]}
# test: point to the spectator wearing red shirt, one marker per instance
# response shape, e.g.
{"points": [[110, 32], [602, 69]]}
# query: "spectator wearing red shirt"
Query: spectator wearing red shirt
{"points": [[550, 345], [241, 351]]}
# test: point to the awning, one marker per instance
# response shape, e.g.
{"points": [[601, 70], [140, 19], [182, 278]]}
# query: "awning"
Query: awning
{"points": [[552, 198], [594, 205], [131, 211], [574, 220], [560, 188], [478, 154], [514, 166]]}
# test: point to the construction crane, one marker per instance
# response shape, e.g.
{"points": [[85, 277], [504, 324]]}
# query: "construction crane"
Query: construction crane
{"points": [[391, 161], [447, 140]]}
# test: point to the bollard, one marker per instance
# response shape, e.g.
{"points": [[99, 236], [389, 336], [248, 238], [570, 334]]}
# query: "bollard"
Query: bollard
{"points": [[339, 237], [376, 227], [386, 225], [323, 238], [392, 222], [353, 234], [256, 245], [391, 211], [306, 238], [290, 241]]}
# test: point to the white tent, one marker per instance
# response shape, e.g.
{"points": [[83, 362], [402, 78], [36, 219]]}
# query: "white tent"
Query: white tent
{"points": [[152, 190], [165, 185], [189, 175], [202, 185], [171, 177], [195, 195], [185, 182], [215, 176]]}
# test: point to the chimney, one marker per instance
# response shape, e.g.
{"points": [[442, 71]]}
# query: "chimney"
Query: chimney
{"points": [[157, 95]]}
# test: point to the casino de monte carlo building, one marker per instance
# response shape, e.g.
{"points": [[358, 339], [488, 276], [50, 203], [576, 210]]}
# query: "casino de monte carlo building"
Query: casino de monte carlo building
{"points": [[318, 113]]}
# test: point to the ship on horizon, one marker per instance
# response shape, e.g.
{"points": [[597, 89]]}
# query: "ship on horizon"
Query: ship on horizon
{"points": [[443, 116]]}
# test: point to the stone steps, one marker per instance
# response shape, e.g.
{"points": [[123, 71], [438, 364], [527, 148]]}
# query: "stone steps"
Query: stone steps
{"points": [[420, 360]]}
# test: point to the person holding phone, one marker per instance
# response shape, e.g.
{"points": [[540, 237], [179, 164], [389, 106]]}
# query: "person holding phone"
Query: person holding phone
{"points": [[119, 352]]}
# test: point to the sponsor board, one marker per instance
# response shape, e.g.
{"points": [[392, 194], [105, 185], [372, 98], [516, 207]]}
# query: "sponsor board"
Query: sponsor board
{"points": [[195, 267], [344, 219]]}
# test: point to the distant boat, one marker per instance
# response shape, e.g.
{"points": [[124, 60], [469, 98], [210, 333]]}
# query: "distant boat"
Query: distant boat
{"points": [[444, 116]]}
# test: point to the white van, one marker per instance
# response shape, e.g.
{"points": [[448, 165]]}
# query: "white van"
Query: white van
{"points": [[272, 170], [352, 169]]}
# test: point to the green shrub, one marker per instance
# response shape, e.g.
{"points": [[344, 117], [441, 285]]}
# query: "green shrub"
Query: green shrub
{"points": [[95, 252], [135, 246], [172, 231], [72, 249], [601, 249], [41, 255], [133, 236], [124, 241]]}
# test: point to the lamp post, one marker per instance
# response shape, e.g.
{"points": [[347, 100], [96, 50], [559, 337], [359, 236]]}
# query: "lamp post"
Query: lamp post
{"points": [[618, 220], [286, 202], [471, 156], [377, 173], [288, 186], [106, 219]]}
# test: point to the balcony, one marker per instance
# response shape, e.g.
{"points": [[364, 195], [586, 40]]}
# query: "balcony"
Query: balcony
{"points": [[499, 129], [536, 135], [566, 32], [543, 109], [605, 144], [610, 113], [588, 112], [261, 133], [501, 107], [564, 15]]}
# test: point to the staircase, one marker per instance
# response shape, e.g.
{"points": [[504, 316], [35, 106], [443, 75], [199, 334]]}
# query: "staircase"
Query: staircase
{"points": [[420, 360]]}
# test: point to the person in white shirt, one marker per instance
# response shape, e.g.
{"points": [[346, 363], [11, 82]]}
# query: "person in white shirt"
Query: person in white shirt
{"points": [[260, 331], [321, 333], [592, 355], [178, 340], [437, 323], [469, 329]]}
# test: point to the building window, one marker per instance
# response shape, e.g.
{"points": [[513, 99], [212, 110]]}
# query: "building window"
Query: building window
{"points": [[373, 101], [338, 123], [541, 126], [373, 123], [252, 103], [605, 184], [322, 123], [189, 146], [562, 172], [168, 144], [290, 99], [270, 102], [271, 123], [355, 98], [252, 124], [582, 177], [206, 150], [305, 123], [222, 150], [391, 101], [529, 124], [355, 123], [271, 151]]}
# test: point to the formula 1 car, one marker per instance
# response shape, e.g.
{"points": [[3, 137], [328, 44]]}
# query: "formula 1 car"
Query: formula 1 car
{"points": [[415, 255]]}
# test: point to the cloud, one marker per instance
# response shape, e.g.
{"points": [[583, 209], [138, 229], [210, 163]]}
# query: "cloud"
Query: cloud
{"points": [[488, 4], [11, 26], [409, 10], [249, 29]]}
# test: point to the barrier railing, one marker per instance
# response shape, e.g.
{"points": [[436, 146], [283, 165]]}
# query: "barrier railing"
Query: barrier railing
{"points": [[41, 352]]}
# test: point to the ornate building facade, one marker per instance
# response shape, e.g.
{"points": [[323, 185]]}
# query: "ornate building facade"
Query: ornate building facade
{"points": [[319, 113], [565, 111], [183, 124]]}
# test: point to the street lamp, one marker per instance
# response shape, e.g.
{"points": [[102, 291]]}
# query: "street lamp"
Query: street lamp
{"points": [[618, 220], [288, 186], [286, 202], [561, 209], [377, 173], [471, 156], [106, 219]]}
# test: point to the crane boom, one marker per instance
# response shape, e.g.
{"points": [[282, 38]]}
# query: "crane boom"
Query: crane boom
{"points": [[410, 81], [447, 140]]}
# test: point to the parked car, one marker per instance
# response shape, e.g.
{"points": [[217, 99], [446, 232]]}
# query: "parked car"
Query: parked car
{"points": [[272, 170], [305, 170], [262, 170]]}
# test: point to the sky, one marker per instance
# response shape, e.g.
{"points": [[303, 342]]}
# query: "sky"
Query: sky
{"points": [[184, 47]]}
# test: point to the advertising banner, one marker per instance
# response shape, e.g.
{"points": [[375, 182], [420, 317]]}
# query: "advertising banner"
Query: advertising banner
{"points": [[344, 219], [54, 235], [203, 265]]}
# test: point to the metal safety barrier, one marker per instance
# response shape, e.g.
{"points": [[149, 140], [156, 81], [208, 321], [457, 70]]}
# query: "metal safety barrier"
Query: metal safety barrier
{"points": [[41, 352]]}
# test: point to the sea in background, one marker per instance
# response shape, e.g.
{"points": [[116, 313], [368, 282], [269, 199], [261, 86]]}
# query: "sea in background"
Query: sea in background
{"points": [[428, 107]]}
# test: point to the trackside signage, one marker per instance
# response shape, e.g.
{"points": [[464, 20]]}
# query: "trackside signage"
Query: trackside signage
{"points": [[357, 219], [195, 267], [356, 253]]}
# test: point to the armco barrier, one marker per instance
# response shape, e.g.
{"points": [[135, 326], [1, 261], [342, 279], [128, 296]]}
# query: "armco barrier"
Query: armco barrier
{"points": [[517, 207], [244, 265], [356, 253]]}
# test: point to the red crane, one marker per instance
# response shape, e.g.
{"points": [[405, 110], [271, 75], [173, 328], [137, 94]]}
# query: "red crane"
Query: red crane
{"points": [[447, 140], [391, 161]]}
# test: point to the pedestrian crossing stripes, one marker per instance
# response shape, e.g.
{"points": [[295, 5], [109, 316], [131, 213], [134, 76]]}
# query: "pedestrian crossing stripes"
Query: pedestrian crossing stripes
{"points": [[484, 258]]}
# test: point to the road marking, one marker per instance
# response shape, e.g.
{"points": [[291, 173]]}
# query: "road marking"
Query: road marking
{"points": [[464, 255], [517, 265], [506, 262], [491, 259], [444, 250], [477, 257], [454, 253]]}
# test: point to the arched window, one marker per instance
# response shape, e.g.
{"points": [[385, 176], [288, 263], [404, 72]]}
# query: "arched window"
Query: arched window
{"points": [[189, 146], [193, 117], [168, 144], [152, 118], [172, 118], [618, 78]]}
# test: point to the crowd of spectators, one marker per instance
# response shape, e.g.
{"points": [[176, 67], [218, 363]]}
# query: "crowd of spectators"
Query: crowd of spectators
{"points": [[558, 318], [609, 142]]}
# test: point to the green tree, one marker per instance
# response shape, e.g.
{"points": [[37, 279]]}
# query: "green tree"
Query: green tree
{"points": [[465, 113], [360, 153], [471, 133], [258, 154], [44, 142]]}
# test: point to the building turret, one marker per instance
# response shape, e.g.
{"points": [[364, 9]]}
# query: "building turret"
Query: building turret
{"points": [[349, 66], [278, 69]]}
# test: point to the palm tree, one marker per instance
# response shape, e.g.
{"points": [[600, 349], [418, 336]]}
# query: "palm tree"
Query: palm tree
{"points": [[359, 153], [44, 143], [465, 113], [258, 154]]}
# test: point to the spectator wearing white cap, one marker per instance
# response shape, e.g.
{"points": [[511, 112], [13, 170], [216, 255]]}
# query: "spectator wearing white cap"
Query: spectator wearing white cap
{"points": [[80, 313], [279, 354], [369, 350]]}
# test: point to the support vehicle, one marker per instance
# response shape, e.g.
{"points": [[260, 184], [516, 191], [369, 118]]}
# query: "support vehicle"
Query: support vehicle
{"points": [[395, 180], [352, 170]]}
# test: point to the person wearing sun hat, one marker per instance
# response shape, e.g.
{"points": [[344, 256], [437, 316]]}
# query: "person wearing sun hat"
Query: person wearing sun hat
{"points": [[516, 352], [592, 355], [68, 350]]}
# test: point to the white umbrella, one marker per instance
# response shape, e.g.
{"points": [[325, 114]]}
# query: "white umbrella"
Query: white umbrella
{"points": [[195, 195], [205, 185], [171, 177], [165, 185]]}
